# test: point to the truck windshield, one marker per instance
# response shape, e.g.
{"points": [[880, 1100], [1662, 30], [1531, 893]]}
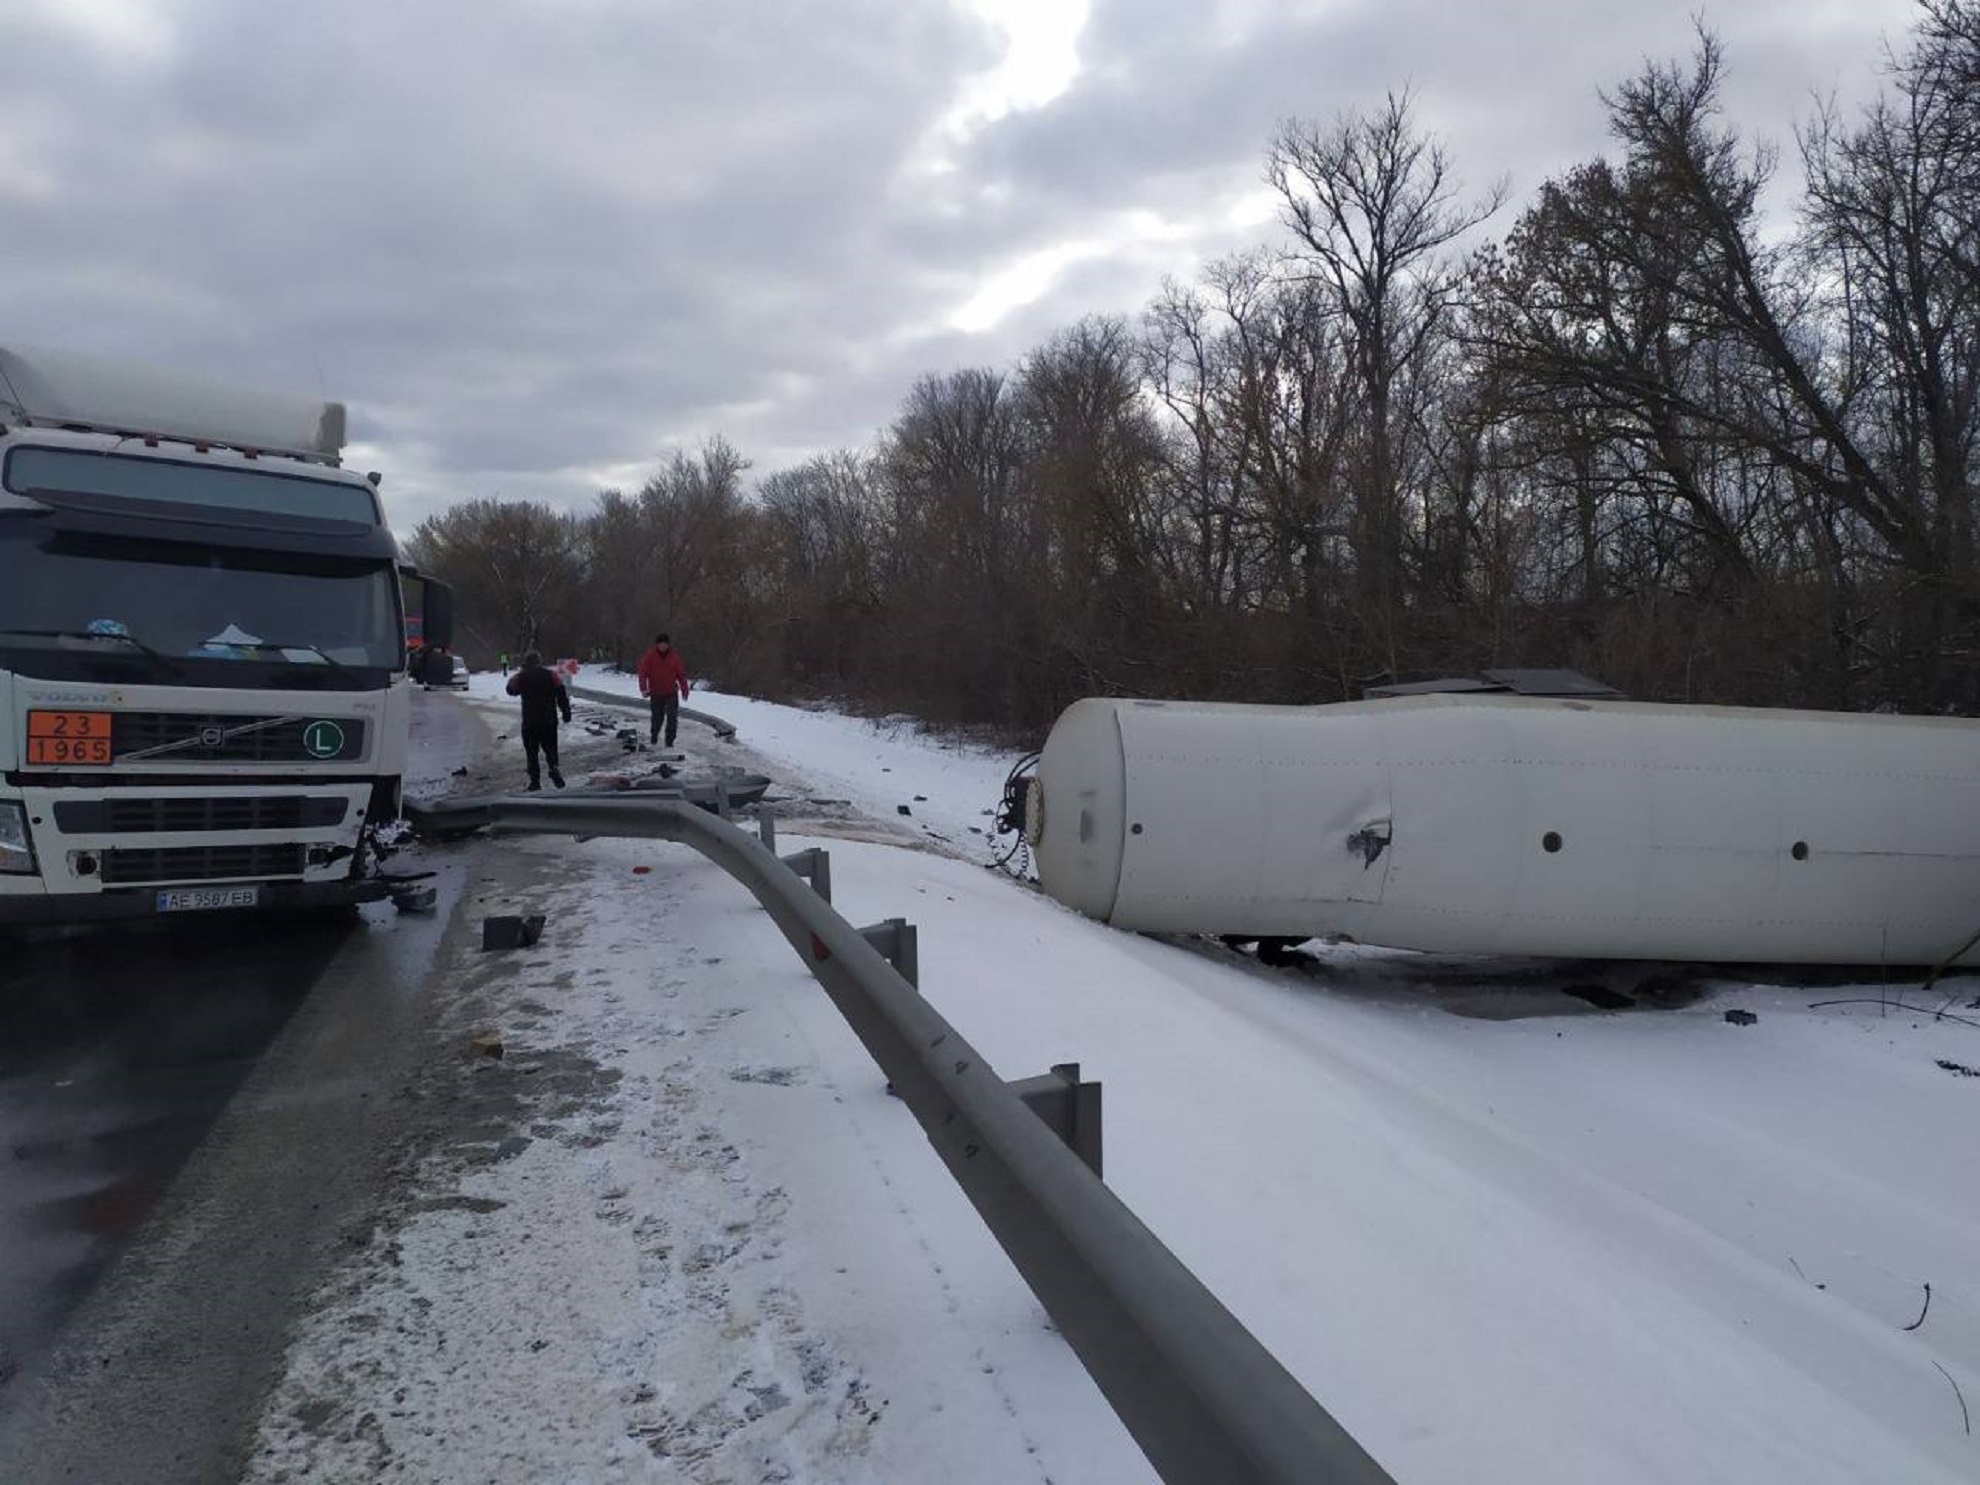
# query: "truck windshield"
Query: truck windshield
{"points": [[118, 609]]}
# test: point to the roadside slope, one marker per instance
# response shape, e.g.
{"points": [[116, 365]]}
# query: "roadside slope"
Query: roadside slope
{"points": [[1499, 1246]]}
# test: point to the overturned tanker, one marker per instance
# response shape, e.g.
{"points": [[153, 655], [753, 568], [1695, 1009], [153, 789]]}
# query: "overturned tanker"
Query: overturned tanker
{"points": [[1520, 825]]}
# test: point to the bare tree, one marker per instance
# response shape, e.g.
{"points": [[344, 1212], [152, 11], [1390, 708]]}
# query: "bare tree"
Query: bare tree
{"points": [[1092, 456], [822, 525], [966, 551], [516, 566], [1893, 231], [1373, 204]]}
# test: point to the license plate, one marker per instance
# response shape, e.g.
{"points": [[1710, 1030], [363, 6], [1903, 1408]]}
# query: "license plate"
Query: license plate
{"points": [[68, 738], [199, 899]]}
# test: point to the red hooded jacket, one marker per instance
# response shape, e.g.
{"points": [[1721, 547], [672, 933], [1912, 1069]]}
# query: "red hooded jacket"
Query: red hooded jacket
{"points": [[661, 671]]}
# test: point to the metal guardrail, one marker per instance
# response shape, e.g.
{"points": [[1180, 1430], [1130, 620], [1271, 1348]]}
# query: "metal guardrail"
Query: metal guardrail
{"points": [[1207, 1403], [724, 730]]}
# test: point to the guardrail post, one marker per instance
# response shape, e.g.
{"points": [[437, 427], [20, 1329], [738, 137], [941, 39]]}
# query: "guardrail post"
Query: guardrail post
{"points": [[766, 827], [815, 866], [900, 945], [897, 941], [1070, 1109]]}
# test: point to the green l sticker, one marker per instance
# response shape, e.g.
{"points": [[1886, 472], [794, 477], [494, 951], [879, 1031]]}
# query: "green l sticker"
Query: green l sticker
{"points": [[323, 739]]}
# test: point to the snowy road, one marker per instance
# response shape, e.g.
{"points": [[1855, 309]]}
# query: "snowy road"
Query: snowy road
{"points": [[1500, 1235]]}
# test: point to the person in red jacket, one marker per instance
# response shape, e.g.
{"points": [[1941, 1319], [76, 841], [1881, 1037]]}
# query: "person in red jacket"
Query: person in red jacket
{"points": [[663, 681]]}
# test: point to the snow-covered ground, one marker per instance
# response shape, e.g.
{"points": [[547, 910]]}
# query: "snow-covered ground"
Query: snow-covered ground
{"points": [[1501, 1236], [948, 788]]}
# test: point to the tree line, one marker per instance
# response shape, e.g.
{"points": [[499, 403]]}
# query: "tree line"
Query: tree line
{"points": [[1669, 428]]}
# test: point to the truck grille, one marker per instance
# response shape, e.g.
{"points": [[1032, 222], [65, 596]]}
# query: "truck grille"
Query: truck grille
{"points": [[155, 816], [193, 737], [125, 868]]}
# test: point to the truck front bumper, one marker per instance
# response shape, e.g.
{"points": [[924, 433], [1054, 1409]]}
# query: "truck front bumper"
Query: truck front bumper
{"points": [[142, 902], [133, 851]]}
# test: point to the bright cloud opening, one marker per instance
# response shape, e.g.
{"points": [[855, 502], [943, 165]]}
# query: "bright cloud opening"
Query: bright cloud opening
{"points": [[1040, 61], [129, 30], [1041, 58], [1023, 282]]}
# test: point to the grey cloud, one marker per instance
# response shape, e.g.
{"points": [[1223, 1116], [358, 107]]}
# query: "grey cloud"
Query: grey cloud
{"points": [[530, 240], [1512, 85], [468, 216]]}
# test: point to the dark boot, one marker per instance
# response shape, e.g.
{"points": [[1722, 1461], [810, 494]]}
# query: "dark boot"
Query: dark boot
{"points": [[556, 778]]}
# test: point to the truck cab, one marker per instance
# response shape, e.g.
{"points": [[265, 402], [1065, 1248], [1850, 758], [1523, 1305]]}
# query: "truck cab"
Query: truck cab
{"points": [[203, 691]]}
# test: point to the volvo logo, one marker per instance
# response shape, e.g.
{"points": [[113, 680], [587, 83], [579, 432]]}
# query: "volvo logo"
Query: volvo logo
{"points": [[212, 737]]}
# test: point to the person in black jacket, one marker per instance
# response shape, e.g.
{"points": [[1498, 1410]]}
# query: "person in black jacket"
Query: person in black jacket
{"points": [[543, 697]]}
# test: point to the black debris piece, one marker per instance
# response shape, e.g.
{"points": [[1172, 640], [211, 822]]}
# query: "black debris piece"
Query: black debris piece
{"points": [[511, 932], [1741, 1018]]}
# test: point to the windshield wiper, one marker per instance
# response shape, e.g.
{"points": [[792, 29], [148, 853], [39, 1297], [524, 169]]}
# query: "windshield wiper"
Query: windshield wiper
{"points": [[121, 637], [324, 655]]}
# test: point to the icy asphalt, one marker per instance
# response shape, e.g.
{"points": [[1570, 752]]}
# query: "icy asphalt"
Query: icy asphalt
{"points": [[118, 1049]]}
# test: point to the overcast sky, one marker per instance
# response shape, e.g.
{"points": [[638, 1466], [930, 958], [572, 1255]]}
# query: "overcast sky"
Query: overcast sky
{"points": [[535, 244]]}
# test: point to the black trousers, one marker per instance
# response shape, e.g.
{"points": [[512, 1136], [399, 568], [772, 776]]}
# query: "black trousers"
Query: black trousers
{"points": [[539, 737], [666, 713]]}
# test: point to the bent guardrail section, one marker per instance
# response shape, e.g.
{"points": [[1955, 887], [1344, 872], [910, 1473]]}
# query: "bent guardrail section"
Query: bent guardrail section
{"points": [[724, 730], [1206, 1402]]}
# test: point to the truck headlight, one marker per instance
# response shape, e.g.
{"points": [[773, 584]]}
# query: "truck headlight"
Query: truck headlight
{"points": [[16, 852]]}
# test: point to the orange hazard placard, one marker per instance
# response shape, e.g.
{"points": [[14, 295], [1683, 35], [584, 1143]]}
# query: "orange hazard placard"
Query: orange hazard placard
{"points": [[68, 737]]}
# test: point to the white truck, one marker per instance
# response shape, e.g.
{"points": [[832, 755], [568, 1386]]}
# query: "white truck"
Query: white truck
{"points": [[204, 700]]}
